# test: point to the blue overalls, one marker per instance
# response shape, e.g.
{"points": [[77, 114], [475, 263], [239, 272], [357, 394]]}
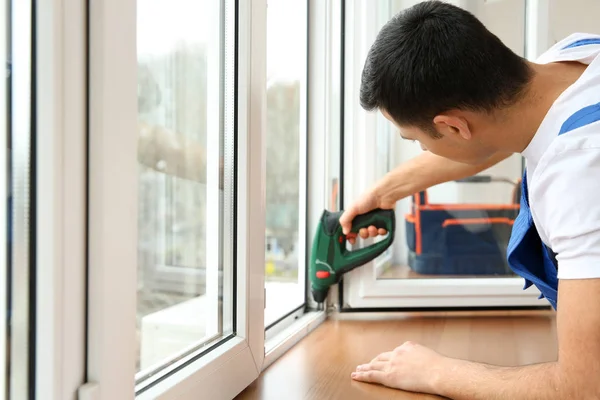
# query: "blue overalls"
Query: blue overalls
{"points": [[527, 255]]}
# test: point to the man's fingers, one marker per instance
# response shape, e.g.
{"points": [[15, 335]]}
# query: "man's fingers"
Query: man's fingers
{"points": [[372, 231], [346, 220], [383, 357], [369, 376], [366, 233], [372, 366]]}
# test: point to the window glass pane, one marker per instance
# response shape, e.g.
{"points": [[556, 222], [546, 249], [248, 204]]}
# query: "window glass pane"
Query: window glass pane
{"points": [[21, 198], [463, 230], [286, 157], [5, 37], [571, 16], [185, 156]]}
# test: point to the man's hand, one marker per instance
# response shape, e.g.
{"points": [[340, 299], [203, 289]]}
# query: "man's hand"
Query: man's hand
{"points": [[413, 176], [410, 367], [573, 376], [370, 200]]}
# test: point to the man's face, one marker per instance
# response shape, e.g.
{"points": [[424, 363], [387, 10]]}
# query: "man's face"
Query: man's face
{"points": [[456, 142]]}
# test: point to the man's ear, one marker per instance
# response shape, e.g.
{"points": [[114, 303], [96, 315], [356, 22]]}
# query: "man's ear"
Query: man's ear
{"points": [[450, 125]]}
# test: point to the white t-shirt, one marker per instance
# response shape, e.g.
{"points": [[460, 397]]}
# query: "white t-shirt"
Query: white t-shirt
{"points": [[563, 172]]}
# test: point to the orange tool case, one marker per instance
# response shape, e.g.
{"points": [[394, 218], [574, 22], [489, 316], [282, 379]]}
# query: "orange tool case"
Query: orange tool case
{"points": [[460, 239]]}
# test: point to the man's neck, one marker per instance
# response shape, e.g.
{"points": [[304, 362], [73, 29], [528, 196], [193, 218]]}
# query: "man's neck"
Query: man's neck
{"points": [[523, 120]]}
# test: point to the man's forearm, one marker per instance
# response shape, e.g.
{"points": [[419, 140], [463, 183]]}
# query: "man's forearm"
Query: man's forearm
{"points": [[171, 153], [427, 170], [473, 381]]}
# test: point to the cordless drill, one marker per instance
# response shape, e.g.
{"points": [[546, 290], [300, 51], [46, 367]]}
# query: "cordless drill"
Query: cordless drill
{"points": [[330, 258]]}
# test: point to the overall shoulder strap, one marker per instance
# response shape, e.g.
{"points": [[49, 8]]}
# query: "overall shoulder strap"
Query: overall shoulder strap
{"points": [[583, 117], [582, 42]]}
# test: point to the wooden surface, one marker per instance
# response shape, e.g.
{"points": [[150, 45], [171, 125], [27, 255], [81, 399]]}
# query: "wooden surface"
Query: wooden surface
{"points": [[319, 367]]}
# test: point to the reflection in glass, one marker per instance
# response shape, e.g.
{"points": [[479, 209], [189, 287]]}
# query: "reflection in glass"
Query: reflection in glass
{"points": [[460, 229], [286, 83], [184, 293]]}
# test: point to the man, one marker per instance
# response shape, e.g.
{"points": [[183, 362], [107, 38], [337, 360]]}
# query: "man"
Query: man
{"points": [[445, 81]]}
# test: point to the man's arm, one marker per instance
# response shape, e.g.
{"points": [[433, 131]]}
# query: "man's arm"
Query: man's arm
{"points": [[576, 374], [171, 153], [415, 175], [427, 170]]}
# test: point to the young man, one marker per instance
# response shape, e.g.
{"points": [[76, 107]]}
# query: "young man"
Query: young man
{"points": [[445, 81]]}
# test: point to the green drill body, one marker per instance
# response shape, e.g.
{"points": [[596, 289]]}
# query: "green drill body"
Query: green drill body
{"points": [[330, 259]]}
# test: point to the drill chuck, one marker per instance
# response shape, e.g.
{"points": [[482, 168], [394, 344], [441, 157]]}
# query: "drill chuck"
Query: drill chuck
{"points": [[319, 295]]}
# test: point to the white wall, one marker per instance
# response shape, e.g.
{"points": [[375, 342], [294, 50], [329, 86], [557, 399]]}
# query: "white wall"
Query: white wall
{"points": [[570, 16]]}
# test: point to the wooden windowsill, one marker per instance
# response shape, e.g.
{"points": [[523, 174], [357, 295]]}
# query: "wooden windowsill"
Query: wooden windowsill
{"points": [[319, 366]]}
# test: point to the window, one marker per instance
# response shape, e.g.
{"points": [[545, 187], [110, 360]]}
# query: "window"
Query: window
{"points": [[285, 263], [137, 137], [175, 266], [185, 187], [465, 265], [482, 242]]}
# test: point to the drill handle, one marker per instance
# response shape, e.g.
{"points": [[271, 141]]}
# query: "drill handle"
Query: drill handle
{"points": [[378, 218]]}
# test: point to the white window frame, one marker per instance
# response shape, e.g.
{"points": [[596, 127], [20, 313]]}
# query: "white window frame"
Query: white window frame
{"points": [[538, 30], [62, 157], [362, 289], [61, 190], [321, 92], [225, 371]]}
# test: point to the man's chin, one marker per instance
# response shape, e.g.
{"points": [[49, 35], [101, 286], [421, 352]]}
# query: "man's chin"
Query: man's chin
{"points": [[476, 161], [463, 159]]}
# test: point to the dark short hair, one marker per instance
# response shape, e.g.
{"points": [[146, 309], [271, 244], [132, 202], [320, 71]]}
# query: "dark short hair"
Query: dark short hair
{"points": [[434, 57]]}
